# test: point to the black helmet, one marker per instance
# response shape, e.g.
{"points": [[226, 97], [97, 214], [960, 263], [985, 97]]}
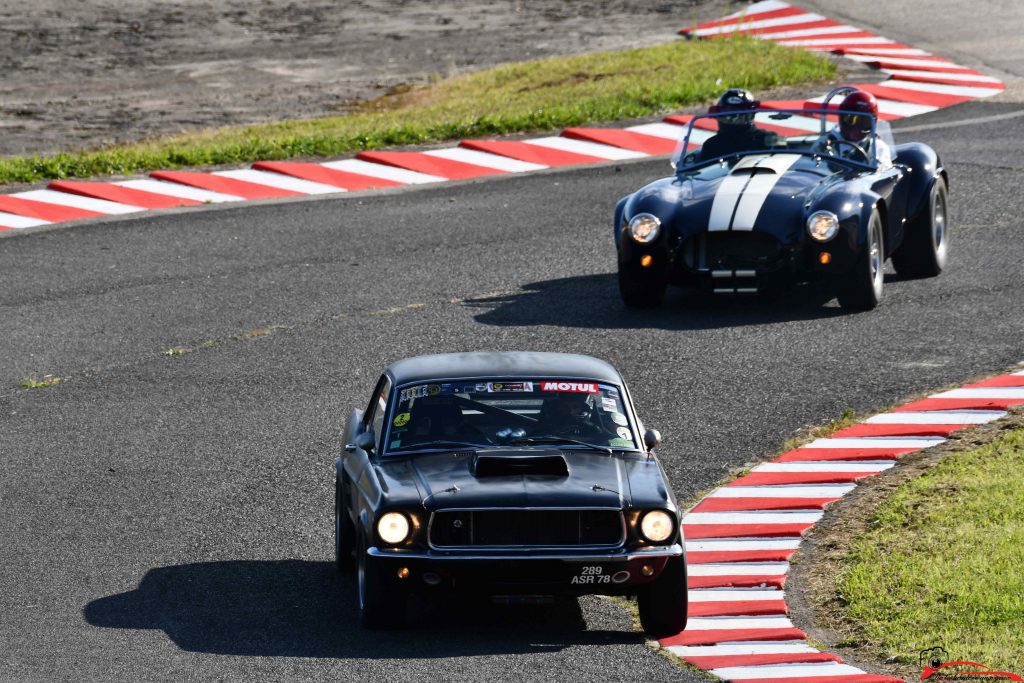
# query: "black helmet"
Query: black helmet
{"points": [[737, 102]]}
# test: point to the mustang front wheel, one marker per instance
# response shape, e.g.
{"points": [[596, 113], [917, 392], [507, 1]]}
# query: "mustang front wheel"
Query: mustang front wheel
{"points": [[663, 602], [382, 605], [925, 247], [861, 288], [641, 292], [344, 531]]}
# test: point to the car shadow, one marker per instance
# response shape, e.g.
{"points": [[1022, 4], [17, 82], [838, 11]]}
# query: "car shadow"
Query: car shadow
{"points": [[593, 301], [297, 608]]}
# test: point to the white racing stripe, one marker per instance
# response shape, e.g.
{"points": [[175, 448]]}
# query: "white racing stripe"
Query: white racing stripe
{"points": [[784, 491], [753, 517], [734, 594], [669, 131], [739, 569], [758, 189], [754, 647], [745, 544], [796, 19], [983, 392], [937, 417], [733, 623], [728, 194], [944, 89], [593, 149], [279, 180], [178, 190], [794, 671], [877, 442], [10, 220], [77, 201], [478, 158], [828, 466], [399, 175]]}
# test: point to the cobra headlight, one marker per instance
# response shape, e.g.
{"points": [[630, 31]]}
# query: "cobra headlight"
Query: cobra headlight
{"points": [[822, 225], [656, 526], [393, 527], [644, 228]]}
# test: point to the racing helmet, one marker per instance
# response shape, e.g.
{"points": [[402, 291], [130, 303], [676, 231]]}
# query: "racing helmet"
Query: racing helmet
{"points": [[855, 126], [739, 104]]}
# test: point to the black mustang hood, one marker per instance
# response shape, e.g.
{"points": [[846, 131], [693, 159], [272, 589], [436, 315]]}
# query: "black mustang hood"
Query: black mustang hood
{"points": [[759, 192], [522, 478]]}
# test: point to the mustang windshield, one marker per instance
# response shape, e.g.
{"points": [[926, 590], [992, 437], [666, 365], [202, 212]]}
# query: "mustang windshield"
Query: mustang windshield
{"points": [[829, 134], [564, 413]]}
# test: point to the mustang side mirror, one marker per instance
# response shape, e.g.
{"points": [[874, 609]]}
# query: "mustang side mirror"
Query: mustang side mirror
{"points": [[652, 439], [366, 441]]}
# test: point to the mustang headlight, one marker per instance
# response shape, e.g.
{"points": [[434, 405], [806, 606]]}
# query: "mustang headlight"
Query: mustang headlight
{"points": [[644, 228], [393, 527], [656, 526], [822, 225]]}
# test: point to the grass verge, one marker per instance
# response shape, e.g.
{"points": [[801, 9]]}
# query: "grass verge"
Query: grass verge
{"points": [[942, 564], [528, 96]]}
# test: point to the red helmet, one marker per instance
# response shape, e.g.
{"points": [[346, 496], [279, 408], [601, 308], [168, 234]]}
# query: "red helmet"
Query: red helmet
{"points": [[855, 126]]}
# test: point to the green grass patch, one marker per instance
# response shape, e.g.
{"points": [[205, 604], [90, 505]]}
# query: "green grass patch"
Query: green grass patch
{"points": [[944, 561], [33, 382], [538, 95]]}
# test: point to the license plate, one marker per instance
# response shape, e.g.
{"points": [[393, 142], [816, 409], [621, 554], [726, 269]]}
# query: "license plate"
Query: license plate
{"points": [[591, 575]]}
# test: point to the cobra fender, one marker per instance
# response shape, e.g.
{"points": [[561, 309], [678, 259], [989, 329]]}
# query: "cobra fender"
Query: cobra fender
{"points": [[924, 166]]}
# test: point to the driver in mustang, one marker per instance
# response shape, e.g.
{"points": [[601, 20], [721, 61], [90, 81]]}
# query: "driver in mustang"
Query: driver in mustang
{"points": [[853, 132]]}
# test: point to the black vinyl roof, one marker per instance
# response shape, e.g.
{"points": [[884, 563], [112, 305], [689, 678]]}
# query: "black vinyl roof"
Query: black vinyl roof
{"points": [[501, 365]]}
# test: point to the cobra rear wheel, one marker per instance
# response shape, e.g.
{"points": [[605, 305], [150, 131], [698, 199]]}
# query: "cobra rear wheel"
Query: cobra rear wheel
{"points": [[861, 288], [641, 292], [663, 602], [382, 605], [925, 248]]}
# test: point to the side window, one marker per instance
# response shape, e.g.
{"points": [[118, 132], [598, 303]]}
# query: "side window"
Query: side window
{"points": [[378, 407]]}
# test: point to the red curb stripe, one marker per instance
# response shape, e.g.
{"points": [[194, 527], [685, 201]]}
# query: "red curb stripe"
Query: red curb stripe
{"points": [[738, 504], [845, 678], [535, 154], [960, 404], [866, 48], [767, 31], [121, 195], [715, 636], [824, 36], [775, 478], [328, 176], [890, 91], [747, 18], [695, 531], [224, 185], [722, 661], [708, 556], [425, 163], [738, 581], [54, 213], [871, 429], [684, 120], [737, 608], [1001, 381], [819, 454], [623, 139]]}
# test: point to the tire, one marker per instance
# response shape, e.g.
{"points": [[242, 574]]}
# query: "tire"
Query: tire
{"points": [[641, 292], [344, 533], [382, 605], [925, 248], [861, 288], [663, 602]]}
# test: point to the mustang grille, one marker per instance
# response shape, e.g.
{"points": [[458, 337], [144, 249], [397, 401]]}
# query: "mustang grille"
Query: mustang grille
{"points": [[526, 528], [731, 250]]}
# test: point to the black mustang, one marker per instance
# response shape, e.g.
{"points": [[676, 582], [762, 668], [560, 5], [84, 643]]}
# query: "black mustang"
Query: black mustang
{"points": [[515, 475], [797, 202]]}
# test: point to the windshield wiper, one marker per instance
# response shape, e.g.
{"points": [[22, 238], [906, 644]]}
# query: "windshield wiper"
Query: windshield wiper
{"points": [[440, 443], [548, 438]]}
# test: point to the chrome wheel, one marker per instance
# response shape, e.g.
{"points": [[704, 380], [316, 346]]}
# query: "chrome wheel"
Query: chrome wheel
{"points": [[875, 256], [939, 224]]}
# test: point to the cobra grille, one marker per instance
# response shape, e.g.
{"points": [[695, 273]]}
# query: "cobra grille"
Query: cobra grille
{"points": [[730, 250], [523, 528]]}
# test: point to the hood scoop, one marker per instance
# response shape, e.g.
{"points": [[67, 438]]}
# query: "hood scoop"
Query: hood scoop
{"points": [[518, 463], [754, 170]]}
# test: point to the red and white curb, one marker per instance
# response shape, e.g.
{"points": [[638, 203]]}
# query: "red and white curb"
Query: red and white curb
{"points": [[739, 537], [919, 82]]}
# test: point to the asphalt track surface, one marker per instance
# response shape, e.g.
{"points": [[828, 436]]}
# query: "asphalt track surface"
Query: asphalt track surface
{"points": [[169, 518]]}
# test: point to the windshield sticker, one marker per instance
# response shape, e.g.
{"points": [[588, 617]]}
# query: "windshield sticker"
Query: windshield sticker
{"points": [[611, 391], [619, 419], [620, 442], [433, 389], [413, 392], [396, 443], [509, 386], [577, 387], [401, 419], [609, 405], [624, 433]]}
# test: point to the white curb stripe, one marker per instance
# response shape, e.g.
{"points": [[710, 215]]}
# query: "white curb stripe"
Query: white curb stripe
{"points": [[795, 671], [829, 466], [758, 8], [887, 51], [796, 19], [944, 76], [983, 392], [10, 220], [399, 175], [877, 442], [733, 623], [739, 569], [178, 190], [593, 149], [734, 595], [794, 121], [784, 491], [752, 517], [838, 30], [911, 63], [943, 89], [669, 131], [279, 180], [752, 544], [938, 417], [835, 41], [478, 158], [77, 201], [755, 647]]}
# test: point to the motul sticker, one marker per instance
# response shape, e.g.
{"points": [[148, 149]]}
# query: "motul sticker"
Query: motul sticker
{"points": [[578, 387]]}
